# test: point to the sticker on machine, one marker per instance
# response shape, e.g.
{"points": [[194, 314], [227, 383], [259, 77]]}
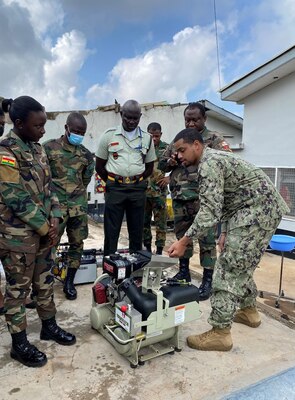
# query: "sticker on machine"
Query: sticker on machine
{"points": [[121, 273], [179, 315]]}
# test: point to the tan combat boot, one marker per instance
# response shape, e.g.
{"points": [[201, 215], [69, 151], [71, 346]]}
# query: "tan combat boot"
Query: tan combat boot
{"points": [[248, 316], [216, 339]]}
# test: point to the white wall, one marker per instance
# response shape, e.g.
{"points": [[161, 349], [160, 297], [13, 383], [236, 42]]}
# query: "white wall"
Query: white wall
{"points": [[225, 129], [269, 129], [269, 125]]}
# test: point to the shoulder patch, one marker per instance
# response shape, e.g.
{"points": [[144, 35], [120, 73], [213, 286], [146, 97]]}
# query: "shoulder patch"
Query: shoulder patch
{"points": [[6, 160]]}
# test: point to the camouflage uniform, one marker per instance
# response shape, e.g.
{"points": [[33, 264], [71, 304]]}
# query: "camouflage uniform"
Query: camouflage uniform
{"points": [[26, 204], [72, 168], [156, 203], [240, 195], [184, 193]]}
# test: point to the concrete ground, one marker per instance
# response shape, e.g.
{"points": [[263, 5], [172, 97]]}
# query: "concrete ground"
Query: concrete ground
{"points": [[93, 370]]}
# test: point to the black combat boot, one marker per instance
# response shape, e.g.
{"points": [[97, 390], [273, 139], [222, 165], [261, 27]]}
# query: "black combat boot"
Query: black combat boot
{"points": [[69, 288], [51, 331], [159, 250], [183, 273], [206, 285], [24, 352]]}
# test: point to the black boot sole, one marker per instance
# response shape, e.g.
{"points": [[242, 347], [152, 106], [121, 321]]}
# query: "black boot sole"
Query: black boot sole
{"points": [[46, 336], [70, 297], [31, 364]]}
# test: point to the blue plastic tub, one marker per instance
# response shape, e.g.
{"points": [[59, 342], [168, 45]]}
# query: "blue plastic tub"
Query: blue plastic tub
{"points": [[282, 242]]}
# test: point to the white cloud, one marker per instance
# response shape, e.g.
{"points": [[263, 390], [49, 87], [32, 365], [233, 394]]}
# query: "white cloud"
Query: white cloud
{"points": [[41, 59], [33, 62], [42, 14], [61, 71], [167, 72]]}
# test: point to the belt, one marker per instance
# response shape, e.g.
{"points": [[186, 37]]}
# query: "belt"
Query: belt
{"points": [[125, 179]]}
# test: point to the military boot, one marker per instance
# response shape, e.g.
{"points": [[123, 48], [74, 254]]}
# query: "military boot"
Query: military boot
{"points": [[248, 316], [159, 250], [24, 352], [69, 288], [183, 274], [206, 285], [51, 331], [216, 339], [148, 247]]}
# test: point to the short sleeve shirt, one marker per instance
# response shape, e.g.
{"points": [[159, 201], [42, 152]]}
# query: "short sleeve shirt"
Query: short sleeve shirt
{"points": [[126, 157]]}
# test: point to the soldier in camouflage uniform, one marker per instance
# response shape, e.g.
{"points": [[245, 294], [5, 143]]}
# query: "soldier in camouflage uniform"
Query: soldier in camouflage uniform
{"points": [[29, 218], [156, 196], [72, 167], [250, 208], [184, 193]]}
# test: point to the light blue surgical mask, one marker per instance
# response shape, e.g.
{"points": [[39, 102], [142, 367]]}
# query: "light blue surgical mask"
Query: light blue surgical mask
{"points": [[75, 139]]}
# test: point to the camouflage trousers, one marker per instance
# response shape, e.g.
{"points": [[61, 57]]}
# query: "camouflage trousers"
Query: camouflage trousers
{"points": [[77, 231], [23, 270], [157, 206], [184, 215], [233, 285]]}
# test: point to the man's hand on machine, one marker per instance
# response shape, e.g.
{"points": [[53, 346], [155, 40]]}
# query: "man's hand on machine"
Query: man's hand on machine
{"points": [[177, 249]]}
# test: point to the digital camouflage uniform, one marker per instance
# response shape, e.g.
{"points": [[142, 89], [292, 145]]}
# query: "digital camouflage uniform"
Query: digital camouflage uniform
{"points": [[72, 168], [184, 192], [241, 196], [26, 204], [156, 203]]}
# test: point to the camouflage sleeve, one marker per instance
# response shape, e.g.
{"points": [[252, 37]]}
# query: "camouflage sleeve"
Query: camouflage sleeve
{"points": [[163, 164], [17, 198], [89, 170], [55, 211], [219, 143], [211, 182]]}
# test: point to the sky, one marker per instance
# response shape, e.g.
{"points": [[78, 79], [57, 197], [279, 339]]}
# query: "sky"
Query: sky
{"points": [[77, 55]]}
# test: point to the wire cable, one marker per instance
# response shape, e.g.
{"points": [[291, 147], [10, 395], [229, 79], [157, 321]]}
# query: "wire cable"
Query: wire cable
{"points": [[217, 44]]}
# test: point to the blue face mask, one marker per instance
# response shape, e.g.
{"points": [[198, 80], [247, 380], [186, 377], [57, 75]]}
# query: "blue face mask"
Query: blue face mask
{"points": [[75, 139]]}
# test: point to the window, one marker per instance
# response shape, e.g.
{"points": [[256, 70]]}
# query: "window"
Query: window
{"points": [[284, 180]]}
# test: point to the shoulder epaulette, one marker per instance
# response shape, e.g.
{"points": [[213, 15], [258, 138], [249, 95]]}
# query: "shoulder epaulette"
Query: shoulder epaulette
{"points": [[110, 130], [8, 142]]}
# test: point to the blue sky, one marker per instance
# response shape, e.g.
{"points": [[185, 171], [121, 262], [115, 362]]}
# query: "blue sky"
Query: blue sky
{"points": [[73, 54]]}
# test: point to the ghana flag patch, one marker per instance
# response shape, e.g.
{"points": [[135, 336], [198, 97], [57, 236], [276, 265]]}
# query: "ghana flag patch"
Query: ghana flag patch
{"points": [[8, 161]]}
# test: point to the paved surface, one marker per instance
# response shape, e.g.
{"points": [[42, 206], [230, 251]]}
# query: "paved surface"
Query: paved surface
{"points": [[280, 386], [92, 370]]}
